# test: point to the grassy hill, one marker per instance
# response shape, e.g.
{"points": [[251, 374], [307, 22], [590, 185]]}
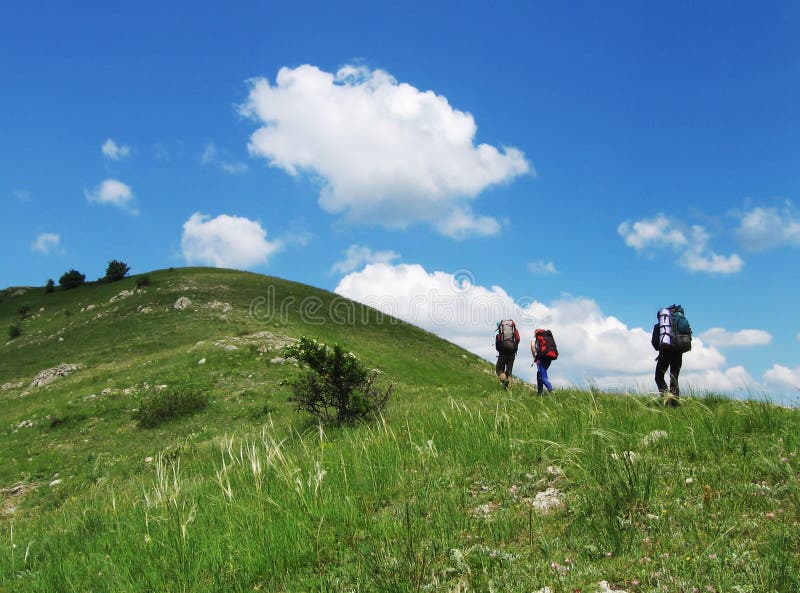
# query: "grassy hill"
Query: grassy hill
{"points": [[461, 486]]}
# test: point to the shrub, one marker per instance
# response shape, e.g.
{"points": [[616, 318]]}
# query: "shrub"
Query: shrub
{"points": [[14, 331], [336, 385], [116, 270], [23, 311], [50, 286], [170, 404], [71, 279], [143, 281]]}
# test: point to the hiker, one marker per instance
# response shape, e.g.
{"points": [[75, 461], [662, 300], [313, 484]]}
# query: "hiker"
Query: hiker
{"points": [[506, 342], [672, 336], [545, 351]]}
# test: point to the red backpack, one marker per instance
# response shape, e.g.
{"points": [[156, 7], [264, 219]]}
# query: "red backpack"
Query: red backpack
{"points": [[546, 344]]}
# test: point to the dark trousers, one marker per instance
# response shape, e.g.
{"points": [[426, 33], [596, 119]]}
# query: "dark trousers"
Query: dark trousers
{"points": [[505, 362], [673, 362], [544, 362]]}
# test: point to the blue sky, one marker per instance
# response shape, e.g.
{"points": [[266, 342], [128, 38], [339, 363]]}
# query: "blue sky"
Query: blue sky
{"points": [[576, 165]]}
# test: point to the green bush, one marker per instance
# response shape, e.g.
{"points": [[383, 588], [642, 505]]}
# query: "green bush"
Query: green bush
{"points": [[14, 331], [169, 404], [23, 311], [50, 286], [336, 385], [71, 279], [116, 270], [143, 281]]}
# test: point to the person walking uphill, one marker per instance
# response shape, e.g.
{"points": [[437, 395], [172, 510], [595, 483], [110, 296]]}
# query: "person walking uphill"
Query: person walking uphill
{"points": [[672, 336], [506, 342], [545, 351]]}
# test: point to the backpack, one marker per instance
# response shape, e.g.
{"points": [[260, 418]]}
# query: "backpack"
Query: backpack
{"points": [[506, 337], [674, 331], [545, 344]]}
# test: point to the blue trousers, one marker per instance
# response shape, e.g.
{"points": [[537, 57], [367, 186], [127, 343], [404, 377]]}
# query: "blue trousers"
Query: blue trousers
{"points": [[541, 375]]}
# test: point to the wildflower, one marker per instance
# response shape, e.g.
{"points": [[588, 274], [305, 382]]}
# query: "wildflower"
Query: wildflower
{"points": [[770, 515], [712, 556], [492, 554]]}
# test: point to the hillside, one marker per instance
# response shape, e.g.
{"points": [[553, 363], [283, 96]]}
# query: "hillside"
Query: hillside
{"points": [[461, 486]]}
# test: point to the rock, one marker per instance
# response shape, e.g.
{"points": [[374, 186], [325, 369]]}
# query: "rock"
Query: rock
{"points": [[654, 437], [201, 361], [49, 375], [219, 306], [55, 482], [547, 500], [182, 303], [5, 386], [606, 588]]}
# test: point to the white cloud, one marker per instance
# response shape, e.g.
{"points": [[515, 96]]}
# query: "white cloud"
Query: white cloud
{"points": [[225, 241], [593, 346], [211, 157], [46, 242], [23, 196], [542, 267], [357, 256], [783, 377], [385, 152], [691, 246], [722, 338], [112, 192], [461, 222], [765, 228], [656, 232], [114, 151]]}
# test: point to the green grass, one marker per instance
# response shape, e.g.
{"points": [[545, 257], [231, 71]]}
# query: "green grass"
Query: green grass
{"points": [[247, 494]]}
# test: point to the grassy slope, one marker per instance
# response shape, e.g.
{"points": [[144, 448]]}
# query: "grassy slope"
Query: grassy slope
{"points": [[247, 494]]}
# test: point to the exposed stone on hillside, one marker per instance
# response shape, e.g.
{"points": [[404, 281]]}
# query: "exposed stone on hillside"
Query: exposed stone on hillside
{"points": [[548, 500], [266, 342], [606, 588], [218, 306], [654, 437], [49, 375], [11, 496], [5, 386], [125, 294], [182, 303]]}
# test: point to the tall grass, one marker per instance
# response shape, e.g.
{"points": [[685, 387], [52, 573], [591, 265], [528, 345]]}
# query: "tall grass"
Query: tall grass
{"points": [[442, 501]]}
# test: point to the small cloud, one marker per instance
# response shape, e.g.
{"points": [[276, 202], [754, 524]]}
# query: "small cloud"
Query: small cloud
{"points": [[226, 241], [357, 256], [23, 196], [114, 151], [691, 246], [766, 228], [461, 223], [113, 192], [722, 338], [210, 156], [655, 232], [46, 242], [542, 267], [784, 377]]}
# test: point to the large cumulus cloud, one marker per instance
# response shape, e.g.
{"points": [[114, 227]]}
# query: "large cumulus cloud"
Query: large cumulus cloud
{"points": [[385, 152]]}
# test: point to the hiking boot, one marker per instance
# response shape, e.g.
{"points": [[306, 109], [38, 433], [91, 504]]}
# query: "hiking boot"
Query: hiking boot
{"points": [[671, 401]]}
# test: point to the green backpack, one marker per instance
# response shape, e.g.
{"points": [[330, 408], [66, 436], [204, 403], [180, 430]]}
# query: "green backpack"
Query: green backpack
{"points": [[680, 331]]}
